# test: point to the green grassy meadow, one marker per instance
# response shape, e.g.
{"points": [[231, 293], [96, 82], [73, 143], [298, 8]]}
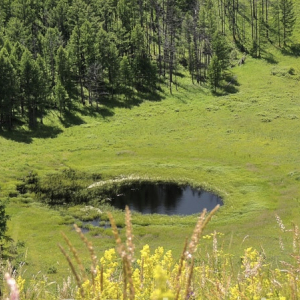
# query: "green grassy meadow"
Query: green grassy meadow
{"points": [[242, 145]]}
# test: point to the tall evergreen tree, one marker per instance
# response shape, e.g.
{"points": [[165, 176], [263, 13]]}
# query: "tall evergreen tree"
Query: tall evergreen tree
{"points": [[77, 14], [59, 18], [30, 86], [17, 32], [106, 11], [64, 72], [214, 72], [77, 59], [113, 63], [8, 89], [61, 96], [3, 224], [44, 88], [287, 19], [87, 42], [50, 43], [221, 50], [126, 76]]}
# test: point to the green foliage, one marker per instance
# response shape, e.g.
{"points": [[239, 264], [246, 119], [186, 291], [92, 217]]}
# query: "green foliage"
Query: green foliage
{"points": [[31, 86], [221, 50], [29, 183], [8, 88], [287, 18], [51, 41], [61, 96], [67, 187], [80, 45], [3, 222], [63, 71], [215, 72], [126, 75]]}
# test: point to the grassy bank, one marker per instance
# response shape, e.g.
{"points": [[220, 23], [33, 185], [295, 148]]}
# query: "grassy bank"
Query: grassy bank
{"points": [[243, 146]]}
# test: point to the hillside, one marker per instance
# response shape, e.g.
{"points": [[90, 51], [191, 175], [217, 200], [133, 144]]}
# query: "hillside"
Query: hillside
{"points": [[244, 146], [241, 143]]}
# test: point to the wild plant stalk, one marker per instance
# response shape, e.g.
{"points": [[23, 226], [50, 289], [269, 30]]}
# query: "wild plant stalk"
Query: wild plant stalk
{"points": [[201, 224], [11, 282], [120, 246], [188, 290], [75, 254], [189, 250], [90, 247], [73, 269], [182, 259], [129, 235], [126, 252], [295, 238]]}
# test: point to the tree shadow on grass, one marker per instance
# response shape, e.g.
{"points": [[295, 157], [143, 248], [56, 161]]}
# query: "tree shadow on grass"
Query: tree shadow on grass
{"points": [[21, 135], [96, 111], [69, 118], [229, 86], [291, 50], [150, 95], [72, 116], [142, 96], [179, 74], [133, 98], [269, 58]]}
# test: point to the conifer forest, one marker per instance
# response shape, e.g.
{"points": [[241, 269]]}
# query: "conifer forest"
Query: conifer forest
{"points": [[56, 54]]}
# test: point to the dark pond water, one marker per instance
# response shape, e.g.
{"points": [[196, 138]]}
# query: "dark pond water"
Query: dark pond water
{"points": [[95, 223], [168, 199]]}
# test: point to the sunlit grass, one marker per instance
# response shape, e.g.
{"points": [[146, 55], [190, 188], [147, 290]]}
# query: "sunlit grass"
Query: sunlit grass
{"points": [[244, 146], [204, 270]]}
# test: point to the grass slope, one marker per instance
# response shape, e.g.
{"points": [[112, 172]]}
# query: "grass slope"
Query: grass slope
{"points": [[244, 146]]}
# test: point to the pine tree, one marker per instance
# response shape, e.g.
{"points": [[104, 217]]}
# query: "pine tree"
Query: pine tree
{"points": [[27, 12], [127, 14], [61, 96], [30, 86], [7, 89], [44, 88], [58, 17], [221, 50], [64, 72], [77, 14], [50, 43], [77, 59], [126, 76], [3, 224], [113, 63], [106, 11], [16, 31], [214, 72], [287, 18], [87, 42]]}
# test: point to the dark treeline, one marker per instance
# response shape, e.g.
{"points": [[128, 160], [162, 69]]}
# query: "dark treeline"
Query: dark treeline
{"points": [[55, 52]]}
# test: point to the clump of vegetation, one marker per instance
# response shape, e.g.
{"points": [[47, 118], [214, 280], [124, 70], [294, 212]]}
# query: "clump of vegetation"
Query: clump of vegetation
{"points": [[283, 71], [66, 187]]}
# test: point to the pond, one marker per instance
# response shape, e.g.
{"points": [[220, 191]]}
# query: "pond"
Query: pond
{"points": [[168, 199], [85, 227]]}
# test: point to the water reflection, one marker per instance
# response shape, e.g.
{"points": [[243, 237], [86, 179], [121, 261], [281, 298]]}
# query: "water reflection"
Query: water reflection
{"points": [[169, 199]]}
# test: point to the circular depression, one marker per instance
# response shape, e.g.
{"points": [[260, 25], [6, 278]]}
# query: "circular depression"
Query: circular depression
{"points": [[164, 198]]}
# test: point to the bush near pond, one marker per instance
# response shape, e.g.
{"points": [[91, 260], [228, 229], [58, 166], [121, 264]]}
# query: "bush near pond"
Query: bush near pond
{"points": [[66, 187]]}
